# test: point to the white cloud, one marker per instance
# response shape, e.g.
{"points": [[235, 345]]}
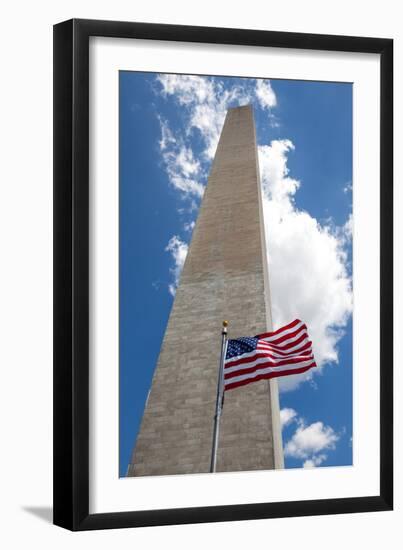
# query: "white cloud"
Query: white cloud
{"points": [[189, 226], [183, 169], [187, 88], [181, 166], [265, 94], [167, 137], [178, 250], [186, 161], [277, 184], [287, 416], [309, 442], [348, 228], [314, 461], [307, 262], [348, 187], [188, 186]]}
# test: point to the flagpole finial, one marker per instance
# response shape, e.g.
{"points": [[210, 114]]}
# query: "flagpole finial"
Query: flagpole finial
{"points": [[225, 324]]}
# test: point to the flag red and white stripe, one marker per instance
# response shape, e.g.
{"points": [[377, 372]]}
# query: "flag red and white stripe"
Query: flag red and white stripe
{"points": [[283, 352]]}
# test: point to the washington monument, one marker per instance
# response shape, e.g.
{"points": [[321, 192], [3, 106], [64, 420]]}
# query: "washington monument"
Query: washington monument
{"points": [[225, 276]]}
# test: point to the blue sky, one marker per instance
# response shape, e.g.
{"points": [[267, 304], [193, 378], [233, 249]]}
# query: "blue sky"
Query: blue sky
{"points": [[169, 127]]}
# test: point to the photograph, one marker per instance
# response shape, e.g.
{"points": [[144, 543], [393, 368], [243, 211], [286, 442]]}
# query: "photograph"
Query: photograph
{"points": [[235, 274], [199, 273]]}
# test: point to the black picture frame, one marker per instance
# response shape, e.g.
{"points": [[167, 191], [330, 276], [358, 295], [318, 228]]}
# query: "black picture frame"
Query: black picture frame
{"points": [[71, 274]]}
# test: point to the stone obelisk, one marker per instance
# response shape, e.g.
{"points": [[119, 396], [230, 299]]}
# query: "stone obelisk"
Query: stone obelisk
{"points": [[225, 276]]}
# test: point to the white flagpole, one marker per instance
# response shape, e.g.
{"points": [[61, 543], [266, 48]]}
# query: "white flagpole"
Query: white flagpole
{"points": [[220, 397]]}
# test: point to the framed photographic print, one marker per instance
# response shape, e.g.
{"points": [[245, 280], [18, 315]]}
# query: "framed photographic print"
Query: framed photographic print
{"points": [[223, 321]]}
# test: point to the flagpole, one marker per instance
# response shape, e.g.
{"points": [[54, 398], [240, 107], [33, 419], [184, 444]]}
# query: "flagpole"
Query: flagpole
{"points": [[220, 397]]}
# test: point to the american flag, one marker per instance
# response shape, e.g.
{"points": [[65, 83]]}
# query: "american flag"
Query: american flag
{"points": [[282, 352]]}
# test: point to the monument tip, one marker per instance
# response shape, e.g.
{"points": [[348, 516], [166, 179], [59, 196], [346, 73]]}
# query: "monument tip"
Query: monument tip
{"points": [[239, 107]]}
